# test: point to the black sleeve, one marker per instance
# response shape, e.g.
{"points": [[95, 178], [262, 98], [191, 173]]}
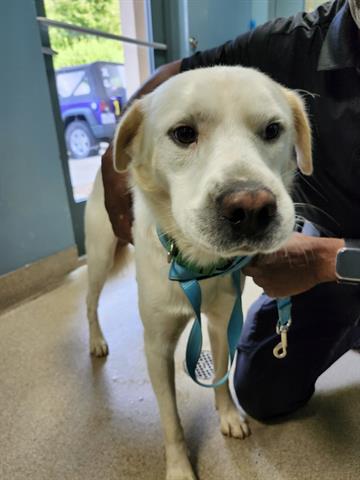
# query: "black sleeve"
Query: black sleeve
{"points": [[249, 50]]}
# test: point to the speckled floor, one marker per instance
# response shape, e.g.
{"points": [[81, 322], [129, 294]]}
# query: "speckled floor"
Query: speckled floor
{"points": [[64, 415]]}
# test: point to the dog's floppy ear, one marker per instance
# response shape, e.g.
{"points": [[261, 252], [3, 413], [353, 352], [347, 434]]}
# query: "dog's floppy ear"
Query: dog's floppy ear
{"points": [[303, 132], [125, 134]]}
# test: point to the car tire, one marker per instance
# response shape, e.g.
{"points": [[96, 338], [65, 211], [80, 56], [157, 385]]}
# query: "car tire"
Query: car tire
{"points": [[80, 142]]}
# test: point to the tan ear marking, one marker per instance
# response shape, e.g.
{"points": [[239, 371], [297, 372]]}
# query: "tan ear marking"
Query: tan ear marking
{"points": [[125, 134], [303, 132]]}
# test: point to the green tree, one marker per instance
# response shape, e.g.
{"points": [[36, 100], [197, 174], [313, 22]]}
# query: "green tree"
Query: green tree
{"points": [[75, 49]]}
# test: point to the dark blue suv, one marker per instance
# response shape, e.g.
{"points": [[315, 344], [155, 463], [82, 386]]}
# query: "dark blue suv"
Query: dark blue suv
{"points": [[91, 98]]}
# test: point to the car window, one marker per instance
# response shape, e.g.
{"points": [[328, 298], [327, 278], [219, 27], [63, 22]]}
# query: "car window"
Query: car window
{"points": [[73, 83], [112, 79]]}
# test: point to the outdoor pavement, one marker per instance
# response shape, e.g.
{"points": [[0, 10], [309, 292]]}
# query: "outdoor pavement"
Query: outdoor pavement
{"points": [[83, 172]]}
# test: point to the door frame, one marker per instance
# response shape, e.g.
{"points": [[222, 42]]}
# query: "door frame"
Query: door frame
{"points": [[77, 209], [169, 25]]}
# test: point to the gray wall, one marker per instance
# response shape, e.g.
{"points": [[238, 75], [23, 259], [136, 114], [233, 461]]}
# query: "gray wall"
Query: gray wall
{"points": [[34, 214], [260, 11], [263, 10], [285, 8], [214, 22]]}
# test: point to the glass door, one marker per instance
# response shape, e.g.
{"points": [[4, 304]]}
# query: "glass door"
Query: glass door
{"points": [[90, 81]]}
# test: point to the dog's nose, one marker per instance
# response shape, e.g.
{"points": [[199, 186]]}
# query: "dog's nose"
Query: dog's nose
{"points": [[249, 210]]}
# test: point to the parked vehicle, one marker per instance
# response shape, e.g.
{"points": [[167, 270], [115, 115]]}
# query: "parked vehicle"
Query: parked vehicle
{"points": [[91, 98]]}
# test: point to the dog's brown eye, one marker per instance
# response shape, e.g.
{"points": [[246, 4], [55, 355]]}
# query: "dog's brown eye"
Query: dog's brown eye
{"points": [[272, 131], [184, 135]]}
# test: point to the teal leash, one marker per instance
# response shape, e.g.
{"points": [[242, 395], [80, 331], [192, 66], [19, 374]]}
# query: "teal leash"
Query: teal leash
{"points": [[189, 275]]}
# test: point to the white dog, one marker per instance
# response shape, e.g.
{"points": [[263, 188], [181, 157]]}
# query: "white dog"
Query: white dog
{"points": [[210, 155]]}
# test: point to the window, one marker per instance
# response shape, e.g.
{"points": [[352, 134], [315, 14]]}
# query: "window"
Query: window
{"points": [[74, 83], [112, 78]]}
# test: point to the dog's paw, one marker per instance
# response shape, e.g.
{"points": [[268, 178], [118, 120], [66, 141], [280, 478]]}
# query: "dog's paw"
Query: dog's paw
{"points": [[232, 424], [180, 474], [99, 347]]}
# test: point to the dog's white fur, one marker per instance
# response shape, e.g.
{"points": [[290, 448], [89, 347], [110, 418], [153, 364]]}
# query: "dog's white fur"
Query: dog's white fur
{"points": [[175, 187]]}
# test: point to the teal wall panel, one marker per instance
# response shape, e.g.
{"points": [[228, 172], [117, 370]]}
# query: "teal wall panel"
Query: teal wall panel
{"points": [[35, 218]]}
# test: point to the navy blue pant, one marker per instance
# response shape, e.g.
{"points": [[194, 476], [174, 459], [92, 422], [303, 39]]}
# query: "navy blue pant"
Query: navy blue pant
{"points": [[325, 325]]}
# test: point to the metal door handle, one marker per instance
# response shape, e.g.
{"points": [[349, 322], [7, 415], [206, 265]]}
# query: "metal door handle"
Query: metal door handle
{"points": [[193, 43]]}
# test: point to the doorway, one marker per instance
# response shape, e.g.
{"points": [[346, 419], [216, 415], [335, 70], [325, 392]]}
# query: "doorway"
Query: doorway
{"points": [[91, 74]]}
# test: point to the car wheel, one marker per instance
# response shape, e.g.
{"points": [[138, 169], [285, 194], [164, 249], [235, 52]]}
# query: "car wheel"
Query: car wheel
{"points": [[80, 142]]}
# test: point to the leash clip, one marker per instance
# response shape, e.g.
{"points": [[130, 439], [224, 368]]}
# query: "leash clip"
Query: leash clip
{"points": [[280, 351], [171, 252]]}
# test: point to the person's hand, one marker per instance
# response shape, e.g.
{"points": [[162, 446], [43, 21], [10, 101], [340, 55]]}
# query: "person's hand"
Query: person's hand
{"points": [[118, 200], [300, 265]]}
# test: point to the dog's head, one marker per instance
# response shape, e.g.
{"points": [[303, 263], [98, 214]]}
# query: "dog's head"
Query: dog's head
{"points": [[213, 150]]}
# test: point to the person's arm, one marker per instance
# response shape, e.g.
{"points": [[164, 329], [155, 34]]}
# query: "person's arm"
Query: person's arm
{"points": [[301, 264]]}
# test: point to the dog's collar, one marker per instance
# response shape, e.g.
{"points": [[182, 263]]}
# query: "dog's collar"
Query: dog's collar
{"points": [[174, 255]]}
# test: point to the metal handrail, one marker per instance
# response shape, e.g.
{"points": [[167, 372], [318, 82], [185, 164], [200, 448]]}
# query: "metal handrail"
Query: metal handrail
{"points": [[99, 33]]}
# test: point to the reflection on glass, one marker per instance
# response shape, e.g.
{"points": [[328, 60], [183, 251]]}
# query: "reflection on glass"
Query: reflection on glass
{"points": [[72, 83]]}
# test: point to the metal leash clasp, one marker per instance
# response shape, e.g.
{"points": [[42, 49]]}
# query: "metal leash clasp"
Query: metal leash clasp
{"points": [[171, 252], [280, 351]]}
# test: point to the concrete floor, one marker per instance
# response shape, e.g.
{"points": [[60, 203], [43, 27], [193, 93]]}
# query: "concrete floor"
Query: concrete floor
{"points": [[64, 415]]}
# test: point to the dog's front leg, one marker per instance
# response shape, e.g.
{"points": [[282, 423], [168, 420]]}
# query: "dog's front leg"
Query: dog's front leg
{"points": [[159, 348], [232, 423]]}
